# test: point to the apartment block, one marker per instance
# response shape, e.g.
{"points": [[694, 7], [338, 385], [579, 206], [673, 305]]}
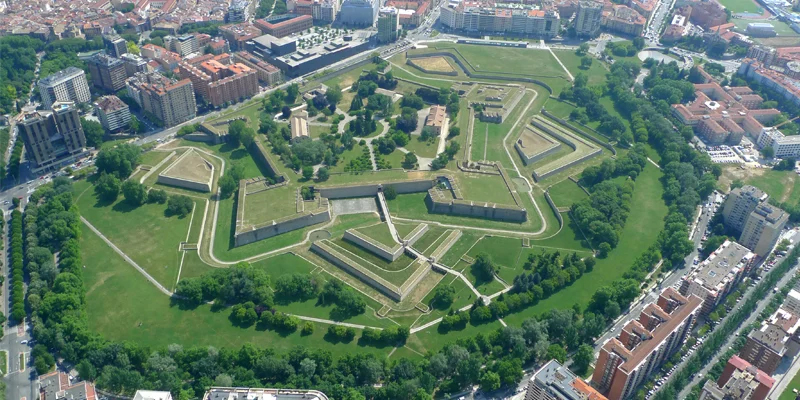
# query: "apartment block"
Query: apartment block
{"points": [[266, 72], [113, 113], [388, 24], [521, 19], [740, 380], [723, 115], [219, 80], [240, 10], [218, 46], [51, 136], [57, 386], [718, 275], [66, 85], [183, 45], [763, 228], [784, 146], [589, 18], [171, 101], [360, 13], [739, 204], [108, 73], [115, 45], [238, 34], [556, 382], [779, 80], [643, 345], [765, 347], [325, 10], [624, 20], [133, 64], [284, 25], [792, 302]]}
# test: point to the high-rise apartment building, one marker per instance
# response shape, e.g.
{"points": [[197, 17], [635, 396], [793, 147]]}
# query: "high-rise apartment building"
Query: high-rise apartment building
{"points": [[740, 203], [747, 211], [240, 10], [113, 113], [520, 19], [360, 13], [325, 10], [267, 73], [718, 274], [108, 73], [643, 345], [65, 85], [556, 382], [739, 380], [133, 64], [171, 101], [183, 45], [115, 45], [763, 228], [51, 136], [388, 23], [588, 18], [765, 347]]}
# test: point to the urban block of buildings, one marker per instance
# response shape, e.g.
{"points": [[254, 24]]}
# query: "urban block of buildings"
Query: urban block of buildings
{"points": [[723, 115], [556, 382], [739, 380], [113, 113], [775, 339], [283, 52], [284, 25], [238, 34], [115, 45], [56, 386], [220, 80], [488, 16], [182, 45], [588, 18], [240, 10], [170, 101], [267, 73], [644, 344], [747, 210], [714, 278], [324, 11], [66, 85]]}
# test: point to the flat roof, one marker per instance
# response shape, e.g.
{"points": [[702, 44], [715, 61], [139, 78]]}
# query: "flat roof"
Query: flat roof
{"points": [[720, 265]]}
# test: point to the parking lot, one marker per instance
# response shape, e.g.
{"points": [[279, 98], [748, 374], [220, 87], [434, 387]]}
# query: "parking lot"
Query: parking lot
{"points": [[723, 155]]}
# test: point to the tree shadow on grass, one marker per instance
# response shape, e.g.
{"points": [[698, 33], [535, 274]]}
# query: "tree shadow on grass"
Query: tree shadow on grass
{"points": [[124, 207], [182, 304]]}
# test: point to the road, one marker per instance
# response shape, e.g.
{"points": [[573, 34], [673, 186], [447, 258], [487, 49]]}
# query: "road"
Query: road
{"points": [[652, 296]]}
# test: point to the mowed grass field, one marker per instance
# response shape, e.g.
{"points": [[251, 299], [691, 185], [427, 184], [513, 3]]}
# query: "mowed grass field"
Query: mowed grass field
{"points": [[741, 6], [566, 192], [480, 187], [436, 64], [146, 234], [531, 62], [783, 186], [596, 72], [140, 313]]}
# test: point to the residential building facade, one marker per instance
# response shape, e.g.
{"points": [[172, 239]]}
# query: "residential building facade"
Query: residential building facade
{"points": [[718, 274], [115, 45], [183, 45], [170, 101], [740, 380], [266, 72], [66, 85], [219, 80], [643, 345], [521, 19], [284, 25], [739, 204], [359, 13], [108, 73], [763, 228], [556, 382], [113, 113], [388, 24], [589, 18], [51, 136]]}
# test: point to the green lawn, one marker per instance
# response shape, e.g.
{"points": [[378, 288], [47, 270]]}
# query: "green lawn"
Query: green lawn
{"points": [[787, 393], [396, 272], [741, 6], [463, 296], [422, 148], [780, 185], [145, 233], [566, 192], [481, 187], [492, 59], [380, 233], [269, 205], [783, 29], [140, 313], [428, 238], [404, 229], [3, 362], [596, 73], [346, 157], [460, 247], [558, 108]]}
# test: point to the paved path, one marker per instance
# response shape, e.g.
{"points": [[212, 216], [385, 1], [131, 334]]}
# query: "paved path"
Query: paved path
{"points": [[571, 78]]}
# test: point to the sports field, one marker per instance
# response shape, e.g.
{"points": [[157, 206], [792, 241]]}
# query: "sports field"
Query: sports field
{"points": [[783, 186], [741, 6]]}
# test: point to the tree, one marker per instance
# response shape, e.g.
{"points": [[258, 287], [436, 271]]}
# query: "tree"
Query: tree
{"points": [[308, 328], [308, 172], [323, 174], [239, 132], [227, 185], [291, 93], [286, 112], [582, 359], [454, 131], [135, 126], [443, 296], [410, 161], [179, 205], [157, 196], [604, 248], [490, 381], [768, 152], [132, 48], [333, 94], [582, 49], [93, 132], [390, 192], [107, 187], [135, 193], [586, 62], [119, 161], [483, 267]]}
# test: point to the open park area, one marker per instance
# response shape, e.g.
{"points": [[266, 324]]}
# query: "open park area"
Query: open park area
{"points": [[326, 211]]}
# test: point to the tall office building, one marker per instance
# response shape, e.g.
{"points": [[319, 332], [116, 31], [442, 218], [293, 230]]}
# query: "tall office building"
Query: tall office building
{"points": [[589, 18], [50, 136], [65, 85], [740, 203], [360, 13], [170, 101], [763, 228], [115, 45], [556, 382], [643, 345], [108, 73], [388, 22]]}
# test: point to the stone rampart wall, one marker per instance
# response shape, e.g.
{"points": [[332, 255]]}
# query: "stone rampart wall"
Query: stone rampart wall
{"points": [[276, 228], [379, 249], [185, 183], [368, 190], [477, 209], [343, 261], [416, 234]]}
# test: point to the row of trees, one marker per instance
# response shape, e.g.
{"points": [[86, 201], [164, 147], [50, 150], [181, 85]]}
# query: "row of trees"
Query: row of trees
{"points": [[17, 282], [17, 69]]}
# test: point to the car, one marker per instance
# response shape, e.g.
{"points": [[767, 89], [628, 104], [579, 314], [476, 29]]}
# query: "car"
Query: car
{"points": [[23, 342]]}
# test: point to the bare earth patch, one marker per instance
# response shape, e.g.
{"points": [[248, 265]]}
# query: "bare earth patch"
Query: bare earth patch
{"points": [[436, 64]]}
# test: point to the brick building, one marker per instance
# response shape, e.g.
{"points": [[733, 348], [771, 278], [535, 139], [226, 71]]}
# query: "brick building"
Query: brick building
{"points": [[220, 80], [285, 25]]}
